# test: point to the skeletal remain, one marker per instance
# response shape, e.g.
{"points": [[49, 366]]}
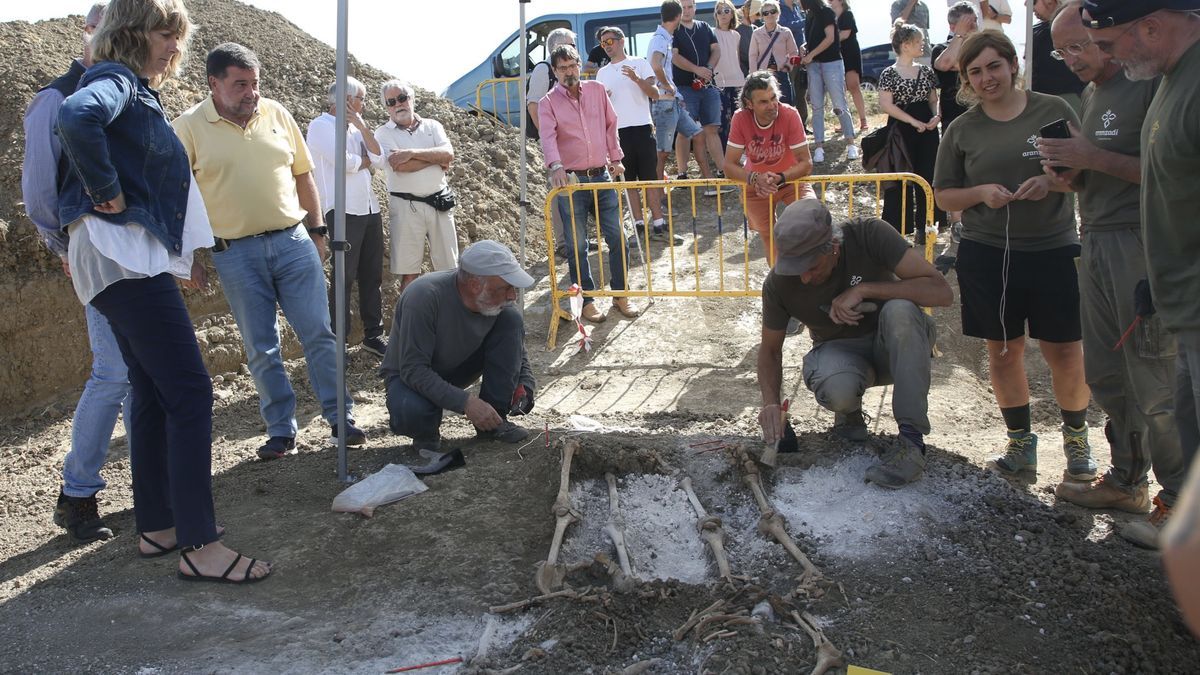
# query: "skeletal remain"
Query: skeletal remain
{"points": [[828, 656], [522, 604], [695, 618], [771, 523], [615, 529], [710, 530], [550, 574], [620, 581]]}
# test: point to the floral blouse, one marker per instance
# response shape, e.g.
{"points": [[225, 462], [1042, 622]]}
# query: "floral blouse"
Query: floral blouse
{"points": [[905, 91]]}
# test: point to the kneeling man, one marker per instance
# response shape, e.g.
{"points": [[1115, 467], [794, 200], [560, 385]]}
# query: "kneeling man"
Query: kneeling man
{"points": [[832, 278], [449, 329]]}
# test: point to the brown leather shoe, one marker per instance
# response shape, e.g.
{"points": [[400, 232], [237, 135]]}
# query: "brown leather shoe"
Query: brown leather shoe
{"points": [[590, 313], [626, 308], [1103, 494]]}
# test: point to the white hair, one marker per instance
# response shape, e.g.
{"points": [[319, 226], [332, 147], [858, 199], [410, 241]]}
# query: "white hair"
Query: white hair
{"points": [[95, 15], [396, 84], [559, 36], [353, 87]]}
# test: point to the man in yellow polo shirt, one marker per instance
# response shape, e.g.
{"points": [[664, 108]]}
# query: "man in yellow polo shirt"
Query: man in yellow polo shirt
{"points": [[255, 174]]}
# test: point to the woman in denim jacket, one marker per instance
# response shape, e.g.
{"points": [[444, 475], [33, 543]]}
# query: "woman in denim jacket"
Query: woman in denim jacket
{"points": [[135, 218]]}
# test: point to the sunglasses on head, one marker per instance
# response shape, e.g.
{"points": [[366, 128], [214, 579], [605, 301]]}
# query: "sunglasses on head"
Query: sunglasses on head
{"points": [[770, 12], [395, 101]]}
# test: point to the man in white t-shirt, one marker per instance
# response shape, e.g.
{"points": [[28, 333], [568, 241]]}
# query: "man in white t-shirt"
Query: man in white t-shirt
{"points": [[630, 84], [417, 154], [993, 14], [364, 223]]}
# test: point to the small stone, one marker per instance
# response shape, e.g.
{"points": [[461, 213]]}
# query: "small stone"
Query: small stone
{"points": [[968, 640], [338, 637], [907, 580]]}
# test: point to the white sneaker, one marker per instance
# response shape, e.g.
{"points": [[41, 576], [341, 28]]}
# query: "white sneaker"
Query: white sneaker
{"points": [[852, 152], [818, 155]]}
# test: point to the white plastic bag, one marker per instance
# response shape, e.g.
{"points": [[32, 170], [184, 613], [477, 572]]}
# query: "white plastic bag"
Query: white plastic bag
{"points": [[391, 483]]}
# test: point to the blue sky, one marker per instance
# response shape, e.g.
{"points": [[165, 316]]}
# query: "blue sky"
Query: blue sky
{"points": [[402, 37]]}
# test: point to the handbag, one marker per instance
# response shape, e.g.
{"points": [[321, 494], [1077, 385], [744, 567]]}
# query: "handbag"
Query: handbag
{"points": [[884, 151]]}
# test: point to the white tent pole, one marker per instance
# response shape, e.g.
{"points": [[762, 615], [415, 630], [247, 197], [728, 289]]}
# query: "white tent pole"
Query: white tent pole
{"points": [[1029, 45], [338, 241], [524, 197]]}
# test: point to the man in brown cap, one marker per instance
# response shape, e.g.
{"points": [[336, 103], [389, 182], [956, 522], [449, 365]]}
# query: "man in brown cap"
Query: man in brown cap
{"points": [[1152, 38], [858, 286]]}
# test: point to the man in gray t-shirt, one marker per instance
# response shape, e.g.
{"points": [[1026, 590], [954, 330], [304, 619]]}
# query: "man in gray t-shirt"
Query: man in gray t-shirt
{"points": [[449, 329], [916, 13], [858, 287]]}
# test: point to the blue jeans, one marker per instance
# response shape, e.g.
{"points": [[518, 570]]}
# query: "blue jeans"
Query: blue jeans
{"points": [[170, 407], [828, 77], [497, 361], [283, 268], [104, 395], [670, 117], [704, 105], [582, 203]]}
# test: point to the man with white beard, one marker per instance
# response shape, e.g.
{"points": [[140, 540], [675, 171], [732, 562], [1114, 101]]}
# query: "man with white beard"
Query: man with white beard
{"points": [[451, 328]]}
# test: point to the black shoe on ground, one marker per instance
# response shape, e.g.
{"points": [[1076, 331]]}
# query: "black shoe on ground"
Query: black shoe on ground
{"points": [[80, 516], [276, 447], [376, 345], [355, 437], [506, 432]]}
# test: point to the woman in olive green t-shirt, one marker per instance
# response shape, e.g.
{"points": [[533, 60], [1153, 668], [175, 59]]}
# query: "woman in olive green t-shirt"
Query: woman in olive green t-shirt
{"points": [[1016, 260]]}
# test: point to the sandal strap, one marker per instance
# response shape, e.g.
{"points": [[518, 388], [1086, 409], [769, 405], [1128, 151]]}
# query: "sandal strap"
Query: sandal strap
{"points": [[183, 554], [249, 567], [233, 565], [159, 547]]}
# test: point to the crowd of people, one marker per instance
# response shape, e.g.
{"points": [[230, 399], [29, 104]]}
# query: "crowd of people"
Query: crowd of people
{"points": [[132, 201]]}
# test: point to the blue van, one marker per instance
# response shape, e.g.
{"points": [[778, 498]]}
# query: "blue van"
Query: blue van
{"points": [[504, 102]]}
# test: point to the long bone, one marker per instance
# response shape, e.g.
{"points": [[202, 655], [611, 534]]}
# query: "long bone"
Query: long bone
{"points": [[828, 656], [550, 574], [615, 529], [710, 529], [771, 522]]}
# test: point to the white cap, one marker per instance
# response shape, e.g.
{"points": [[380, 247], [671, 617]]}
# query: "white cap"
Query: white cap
{"points": [[489, 258]]}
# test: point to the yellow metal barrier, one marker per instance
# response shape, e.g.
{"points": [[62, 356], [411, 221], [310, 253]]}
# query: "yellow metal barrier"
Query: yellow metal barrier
{"points": [[708, 248], [505, 108]]}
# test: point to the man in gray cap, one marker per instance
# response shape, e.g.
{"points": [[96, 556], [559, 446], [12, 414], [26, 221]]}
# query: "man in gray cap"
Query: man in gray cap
{"points": [[858, 287], [449, 329], [1150, 38]]}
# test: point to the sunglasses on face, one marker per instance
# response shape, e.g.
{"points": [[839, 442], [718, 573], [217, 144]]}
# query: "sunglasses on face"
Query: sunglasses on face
{"points": [[770, 12], [395, 101], [608, 42], [724, 10]]}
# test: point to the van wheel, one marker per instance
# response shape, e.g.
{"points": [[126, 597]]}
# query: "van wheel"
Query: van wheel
{"points": [[869, 84]]}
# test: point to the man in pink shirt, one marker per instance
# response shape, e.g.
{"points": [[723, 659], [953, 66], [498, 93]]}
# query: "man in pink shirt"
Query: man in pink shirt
{"points": [[578, 127], [771, 136]]}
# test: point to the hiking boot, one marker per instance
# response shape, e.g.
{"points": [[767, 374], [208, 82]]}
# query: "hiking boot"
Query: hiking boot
{"points": [[1080, 465], [1145, 533], [375, 345], [506, 432], [901, 463], [355, 437], [851, 426], [80, 516], [661, 234], [626, 308], [1020, 453], [1104, 493], [276, 447]]}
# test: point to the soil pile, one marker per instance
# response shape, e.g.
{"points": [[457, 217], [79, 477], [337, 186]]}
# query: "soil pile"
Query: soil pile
{"points": [[44, 341]]}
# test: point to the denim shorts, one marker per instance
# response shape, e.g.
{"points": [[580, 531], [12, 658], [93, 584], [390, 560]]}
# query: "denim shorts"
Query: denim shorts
{"points": [[669, 116], [704, 105]]}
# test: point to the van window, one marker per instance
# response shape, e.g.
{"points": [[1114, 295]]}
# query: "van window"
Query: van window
{"points": [[508, 62], [640, 32]]}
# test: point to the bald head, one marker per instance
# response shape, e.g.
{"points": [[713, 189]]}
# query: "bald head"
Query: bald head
{"points": [[1074, 45]]}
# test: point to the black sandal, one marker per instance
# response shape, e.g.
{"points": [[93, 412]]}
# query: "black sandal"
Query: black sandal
{"points": [[160, 550], [224, 578]]}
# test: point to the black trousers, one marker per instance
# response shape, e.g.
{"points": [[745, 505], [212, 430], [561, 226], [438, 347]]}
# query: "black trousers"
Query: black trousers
{"points": [[364, 264], [922, 150]]}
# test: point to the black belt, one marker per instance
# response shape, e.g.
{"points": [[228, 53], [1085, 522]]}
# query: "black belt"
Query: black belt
{"points": [[220, 244], [590, 173]]}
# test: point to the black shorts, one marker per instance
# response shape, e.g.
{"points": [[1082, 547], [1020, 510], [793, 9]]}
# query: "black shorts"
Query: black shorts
{"points": [[1043, 290], [641, 155]]}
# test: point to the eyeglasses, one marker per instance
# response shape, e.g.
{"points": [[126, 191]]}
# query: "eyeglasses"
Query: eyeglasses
{"points": [[1106, 46], [770, 12], [389, 102], [608, 42], [573, 65], [1073, 50]]}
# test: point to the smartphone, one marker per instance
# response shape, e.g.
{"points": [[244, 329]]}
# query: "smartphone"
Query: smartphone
{"points": [[1057, 129]]}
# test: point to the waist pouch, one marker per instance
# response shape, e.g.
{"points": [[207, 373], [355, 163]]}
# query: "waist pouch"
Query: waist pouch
{"points": [[443, 200]]}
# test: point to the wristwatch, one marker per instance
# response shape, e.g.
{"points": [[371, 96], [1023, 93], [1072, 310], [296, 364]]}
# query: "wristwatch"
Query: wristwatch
{"points": [[321, 231]]}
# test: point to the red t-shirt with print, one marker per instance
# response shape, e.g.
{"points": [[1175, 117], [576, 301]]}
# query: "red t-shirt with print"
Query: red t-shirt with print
{"points": [[770, 148]]}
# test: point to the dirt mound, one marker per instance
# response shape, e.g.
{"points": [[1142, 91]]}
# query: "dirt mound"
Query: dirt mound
{"points": [[44, 342]]}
